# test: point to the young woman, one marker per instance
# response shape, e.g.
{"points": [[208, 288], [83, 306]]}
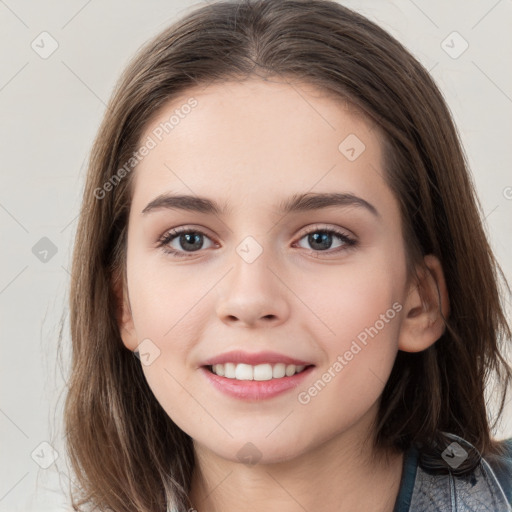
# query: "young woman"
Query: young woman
{"points": [[282, 295]]}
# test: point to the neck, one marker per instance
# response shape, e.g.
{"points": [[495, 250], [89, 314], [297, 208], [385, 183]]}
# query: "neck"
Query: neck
{"points": [[342, 474]]}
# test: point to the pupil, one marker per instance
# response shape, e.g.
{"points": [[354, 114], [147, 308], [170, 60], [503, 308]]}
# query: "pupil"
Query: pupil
{"points": [[324, 240]]}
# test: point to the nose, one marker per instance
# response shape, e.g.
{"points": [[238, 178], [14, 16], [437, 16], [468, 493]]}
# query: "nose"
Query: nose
{"points": [[253, 294]]}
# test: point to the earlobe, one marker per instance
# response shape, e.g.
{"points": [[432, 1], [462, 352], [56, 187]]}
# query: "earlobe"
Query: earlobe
{"points": [[124, 316], [426, 308]]}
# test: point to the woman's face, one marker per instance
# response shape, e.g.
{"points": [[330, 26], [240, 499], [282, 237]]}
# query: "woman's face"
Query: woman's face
{"points": [[290, 249]]}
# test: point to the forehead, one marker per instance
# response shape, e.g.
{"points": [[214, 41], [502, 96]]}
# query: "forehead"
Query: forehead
{"points": [[247, 140]]}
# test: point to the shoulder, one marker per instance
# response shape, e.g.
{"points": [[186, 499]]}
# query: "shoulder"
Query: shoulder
{"points": [[440, 483], [501, 466]]}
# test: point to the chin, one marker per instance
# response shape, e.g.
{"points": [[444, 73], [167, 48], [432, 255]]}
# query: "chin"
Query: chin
{"points": [[253, 449]]}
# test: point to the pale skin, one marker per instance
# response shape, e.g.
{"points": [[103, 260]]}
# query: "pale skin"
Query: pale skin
{"points": [[250, 146]]}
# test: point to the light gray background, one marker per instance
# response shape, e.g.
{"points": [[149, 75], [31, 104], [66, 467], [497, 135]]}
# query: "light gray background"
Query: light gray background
{"points": [[50, 111]]}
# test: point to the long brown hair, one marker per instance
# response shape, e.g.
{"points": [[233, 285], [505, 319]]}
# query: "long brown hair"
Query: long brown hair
{"points": [[126, 452]]}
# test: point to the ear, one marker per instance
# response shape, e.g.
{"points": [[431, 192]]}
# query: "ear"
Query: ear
{"points": [[426, 308], [124, 316]]}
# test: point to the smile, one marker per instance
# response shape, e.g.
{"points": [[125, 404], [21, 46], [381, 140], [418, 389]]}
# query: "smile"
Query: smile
{"points": [[244, 384]]}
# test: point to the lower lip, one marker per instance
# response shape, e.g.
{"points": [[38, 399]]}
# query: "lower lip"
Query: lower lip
{"points": [[255, 389]]}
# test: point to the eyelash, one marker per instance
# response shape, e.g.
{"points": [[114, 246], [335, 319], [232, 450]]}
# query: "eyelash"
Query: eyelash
{"points": [[169, 236]]}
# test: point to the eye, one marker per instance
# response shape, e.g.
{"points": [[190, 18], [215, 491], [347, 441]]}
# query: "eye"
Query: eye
{"points": [[185, 240], [321, 240]]}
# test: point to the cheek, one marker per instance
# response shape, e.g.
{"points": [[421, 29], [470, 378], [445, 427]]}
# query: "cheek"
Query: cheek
{"points": [[347, 300], [169, 307], [164, 298], [360, 311], [360, 357], [165, 311]]}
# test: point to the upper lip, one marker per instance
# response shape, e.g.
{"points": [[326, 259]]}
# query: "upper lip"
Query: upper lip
{"points": [[239, 356]]}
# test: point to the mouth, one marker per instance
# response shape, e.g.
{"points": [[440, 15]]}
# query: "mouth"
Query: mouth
{"points": [[259, 372]]}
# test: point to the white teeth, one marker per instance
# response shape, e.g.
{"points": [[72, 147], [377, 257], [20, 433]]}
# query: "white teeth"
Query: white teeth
{"points": [[265, 371], [279, 371], [229, 370], [290, 370], [262, 372], [218, 369], [243, 372]]}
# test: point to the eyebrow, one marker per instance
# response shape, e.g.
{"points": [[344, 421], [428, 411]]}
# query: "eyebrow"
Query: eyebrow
{"points": [[296, 203]]}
